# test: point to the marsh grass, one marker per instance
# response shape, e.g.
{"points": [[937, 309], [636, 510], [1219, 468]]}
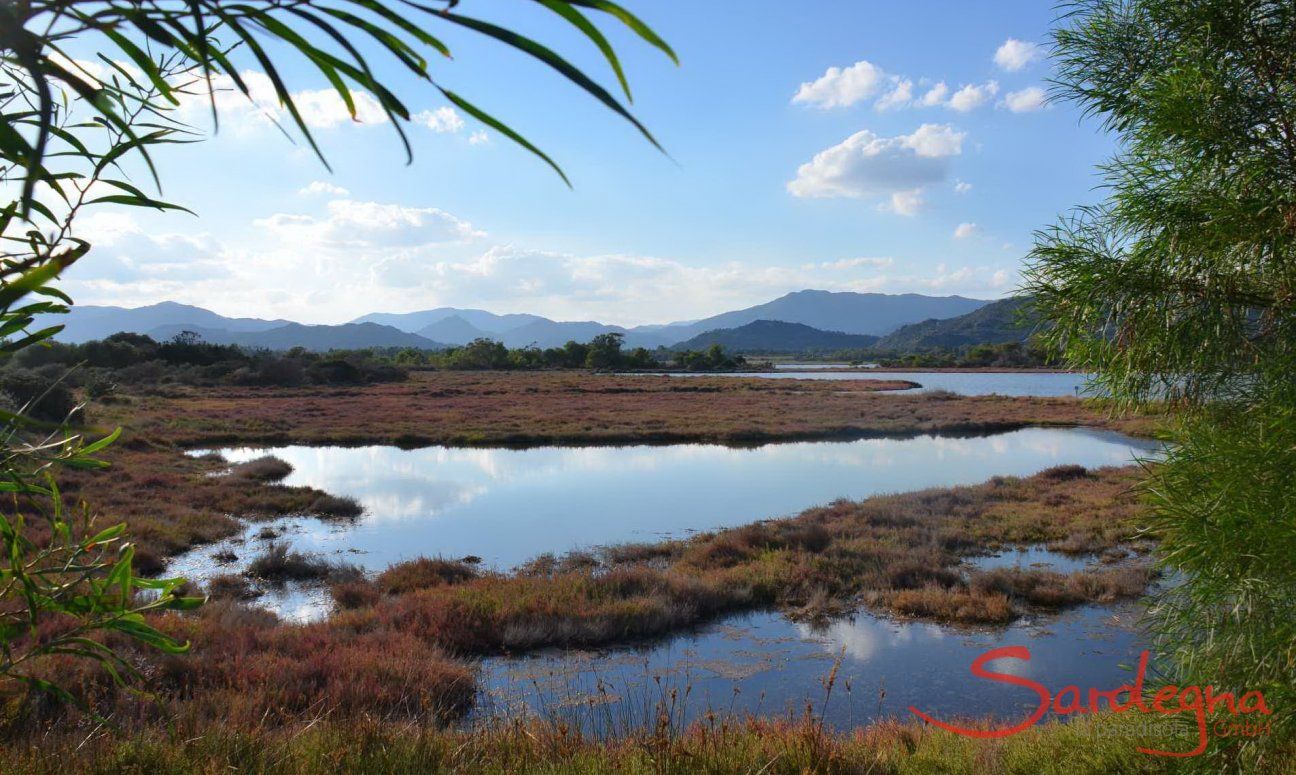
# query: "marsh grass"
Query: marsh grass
{"points": [[643, 733], [267, 468], [278, 564], [340, 507], [900, 554]]}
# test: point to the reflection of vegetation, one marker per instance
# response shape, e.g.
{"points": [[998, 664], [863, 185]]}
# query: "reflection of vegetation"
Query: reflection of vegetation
{"points": [[1180, 287], [1009, 355]]}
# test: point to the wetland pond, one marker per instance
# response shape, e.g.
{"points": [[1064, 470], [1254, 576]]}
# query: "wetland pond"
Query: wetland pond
{"points": [[509, 505]]}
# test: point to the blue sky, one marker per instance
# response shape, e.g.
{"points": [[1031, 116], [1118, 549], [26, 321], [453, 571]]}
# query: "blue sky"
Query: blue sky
{"points": [[782, 174]]}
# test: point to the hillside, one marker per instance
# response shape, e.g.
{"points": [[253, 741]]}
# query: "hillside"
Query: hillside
{"points": [[875, 314], [775, 336], [85, 323], [349, 336], [415, 322], [454, 330], [995, 323]]}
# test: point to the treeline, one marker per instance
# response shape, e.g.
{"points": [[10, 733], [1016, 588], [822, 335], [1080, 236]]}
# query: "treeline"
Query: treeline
{"points": [[603, 352], [44, 378]]}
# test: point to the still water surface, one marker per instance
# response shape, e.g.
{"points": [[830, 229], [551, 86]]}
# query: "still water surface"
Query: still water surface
{"points": [[1014, 383], [765, 664], [507, 506]]}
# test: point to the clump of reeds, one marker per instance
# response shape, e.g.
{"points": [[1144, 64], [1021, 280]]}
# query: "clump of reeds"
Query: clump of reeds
{"points": [[267, 468], [278, 564], [343, 507]]}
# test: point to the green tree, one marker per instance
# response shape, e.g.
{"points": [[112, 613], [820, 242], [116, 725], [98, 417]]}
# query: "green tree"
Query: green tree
{"points": [[480, 354], [604, 351], [1181, 287]]}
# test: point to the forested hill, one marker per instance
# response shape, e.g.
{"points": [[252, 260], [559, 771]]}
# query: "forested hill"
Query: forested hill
{"points": [[996, 323], [774, 336]]}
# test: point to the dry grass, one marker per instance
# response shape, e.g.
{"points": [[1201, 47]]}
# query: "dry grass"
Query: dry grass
{"points": [[249, 670], [1089, 745]]}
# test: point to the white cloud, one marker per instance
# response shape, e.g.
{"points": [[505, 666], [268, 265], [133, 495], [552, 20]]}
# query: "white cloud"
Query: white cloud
{"points": [[260, 108], [935, 140], [343, 260], [935, 96], [971, 96], [348, 224], [965, 230], [478, 138], [323, 187], [868, 166], [853, 263], [962, 187], [906, 203], [1014, 55], [1026, 100], [899, 97], [842, 87], [125, 251], [442, 120]]}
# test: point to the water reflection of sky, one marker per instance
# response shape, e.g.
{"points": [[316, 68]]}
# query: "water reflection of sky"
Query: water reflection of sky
{"points": [[763, 663], [507, 506]]}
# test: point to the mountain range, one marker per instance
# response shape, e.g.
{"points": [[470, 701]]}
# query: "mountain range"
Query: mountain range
{"points": [[872, 314], [864, 315]]}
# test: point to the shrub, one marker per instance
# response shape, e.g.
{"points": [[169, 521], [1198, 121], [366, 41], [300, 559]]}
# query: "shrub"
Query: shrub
{"points": [[44, 398]]}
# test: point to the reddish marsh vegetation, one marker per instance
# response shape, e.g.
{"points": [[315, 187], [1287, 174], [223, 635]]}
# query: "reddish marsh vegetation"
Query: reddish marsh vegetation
{"points": [[717, 745], [563, 407]]}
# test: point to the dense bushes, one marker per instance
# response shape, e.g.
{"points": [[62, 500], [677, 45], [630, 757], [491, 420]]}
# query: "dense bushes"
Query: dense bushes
{"points": [[38, 394], [99, 367]]}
